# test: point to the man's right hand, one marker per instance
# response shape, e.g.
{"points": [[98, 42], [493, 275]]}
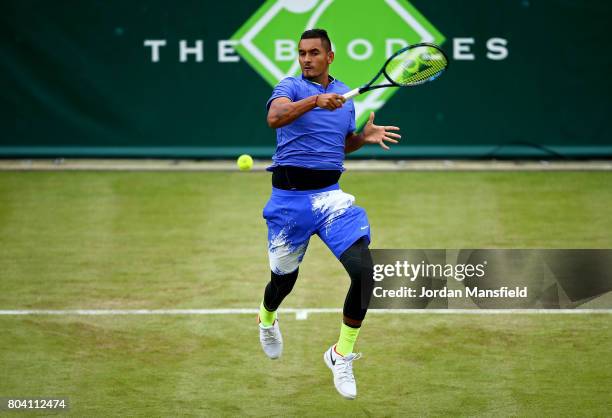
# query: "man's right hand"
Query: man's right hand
{"points": [[330, 101]]}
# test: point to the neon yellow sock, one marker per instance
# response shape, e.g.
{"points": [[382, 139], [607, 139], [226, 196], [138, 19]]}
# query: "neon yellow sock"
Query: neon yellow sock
{"points": [[347, 339], [265, 316]]}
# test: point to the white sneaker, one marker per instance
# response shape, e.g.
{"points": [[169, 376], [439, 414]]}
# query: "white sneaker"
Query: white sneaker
{"points": [[342, 368], [271, 340]]}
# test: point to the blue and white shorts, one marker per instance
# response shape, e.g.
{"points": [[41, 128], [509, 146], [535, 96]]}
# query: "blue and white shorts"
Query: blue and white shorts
{"points": [[294, 216]]}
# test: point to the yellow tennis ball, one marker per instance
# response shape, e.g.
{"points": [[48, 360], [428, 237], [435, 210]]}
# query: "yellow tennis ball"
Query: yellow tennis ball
{"points": [[245, 162]]}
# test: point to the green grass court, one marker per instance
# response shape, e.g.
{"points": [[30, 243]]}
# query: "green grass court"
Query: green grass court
{"points": [[128, 240]]}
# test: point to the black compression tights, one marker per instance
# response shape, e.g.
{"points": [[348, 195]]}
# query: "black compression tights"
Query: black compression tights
{"points": [[280, 285], [357, 261]]}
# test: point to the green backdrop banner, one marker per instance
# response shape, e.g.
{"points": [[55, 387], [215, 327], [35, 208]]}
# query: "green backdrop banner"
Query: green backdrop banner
{"points": [[191, 78]]}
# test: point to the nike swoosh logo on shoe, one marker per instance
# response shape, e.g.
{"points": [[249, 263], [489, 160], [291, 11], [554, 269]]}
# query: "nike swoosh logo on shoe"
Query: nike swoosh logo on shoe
{"points": [[332, 358]]}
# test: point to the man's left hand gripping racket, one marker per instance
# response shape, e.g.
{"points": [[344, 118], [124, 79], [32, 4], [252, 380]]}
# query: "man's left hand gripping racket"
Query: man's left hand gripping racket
{"points": [[410, 66]]}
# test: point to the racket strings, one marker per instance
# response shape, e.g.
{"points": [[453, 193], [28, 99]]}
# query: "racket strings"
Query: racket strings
{"points": [[416, 66]]}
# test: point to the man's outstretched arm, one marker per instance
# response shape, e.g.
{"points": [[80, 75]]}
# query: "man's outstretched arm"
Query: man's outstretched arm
{"points": [[353, 142], [371, 134]]}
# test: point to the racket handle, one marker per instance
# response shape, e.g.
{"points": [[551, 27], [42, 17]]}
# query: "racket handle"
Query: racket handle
{"points": [[351, 93]]}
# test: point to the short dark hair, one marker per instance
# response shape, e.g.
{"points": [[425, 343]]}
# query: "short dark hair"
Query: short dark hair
{"points": [[318, 34]]}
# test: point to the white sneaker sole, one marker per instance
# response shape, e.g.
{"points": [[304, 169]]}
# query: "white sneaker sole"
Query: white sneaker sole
{"points": [[330, 366], [272, 358]]}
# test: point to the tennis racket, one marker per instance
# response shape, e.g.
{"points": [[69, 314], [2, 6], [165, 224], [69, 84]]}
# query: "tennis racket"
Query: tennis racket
{"points": [[410, 66]]}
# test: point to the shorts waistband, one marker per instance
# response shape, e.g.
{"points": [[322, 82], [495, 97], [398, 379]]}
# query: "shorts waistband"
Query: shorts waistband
{"points": [[291, 193]]}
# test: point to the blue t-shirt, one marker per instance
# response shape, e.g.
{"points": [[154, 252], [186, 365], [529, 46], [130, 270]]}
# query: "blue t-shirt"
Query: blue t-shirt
{"points": [[316, 139]]}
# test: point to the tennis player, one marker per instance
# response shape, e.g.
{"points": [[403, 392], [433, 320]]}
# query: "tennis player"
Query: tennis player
{"points": [[314, 130]]}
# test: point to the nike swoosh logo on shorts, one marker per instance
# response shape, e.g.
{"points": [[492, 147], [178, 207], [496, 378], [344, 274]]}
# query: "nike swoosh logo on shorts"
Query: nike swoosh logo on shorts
{"points": [[364, 227]]}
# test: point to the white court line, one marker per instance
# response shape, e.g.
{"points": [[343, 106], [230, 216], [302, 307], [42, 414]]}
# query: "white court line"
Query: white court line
{"points": [[299, 312], [260, 165]]}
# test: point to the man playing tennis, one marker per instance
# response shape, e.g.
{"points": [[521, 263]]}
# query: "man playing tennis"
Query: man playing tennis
{"points": [[314, 130]]}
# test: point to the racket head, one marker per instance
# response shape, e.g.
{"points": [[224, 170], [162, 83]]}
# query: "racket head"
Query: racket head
{"points": [[415, 64]]}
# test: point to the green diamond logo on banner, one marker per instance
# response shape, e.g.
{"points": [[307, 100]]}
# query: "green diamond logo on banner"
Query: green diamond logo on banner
{"points": [[364, 33]]}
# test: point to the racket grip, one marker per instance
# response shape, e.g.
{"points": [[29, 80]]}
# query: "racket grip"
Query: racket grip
{"points": [[351, 94]]}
